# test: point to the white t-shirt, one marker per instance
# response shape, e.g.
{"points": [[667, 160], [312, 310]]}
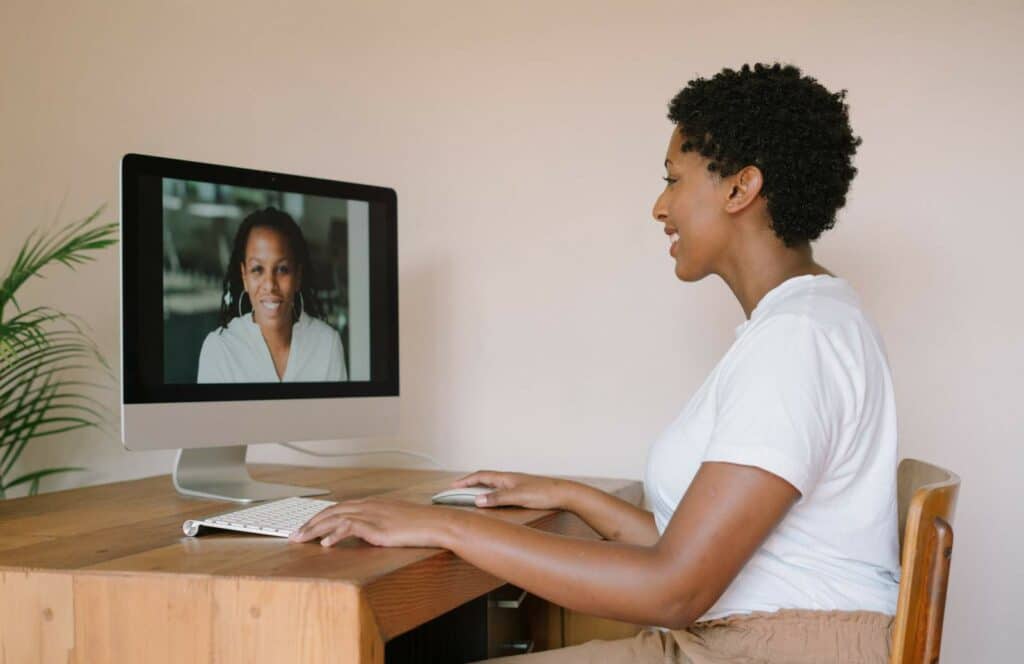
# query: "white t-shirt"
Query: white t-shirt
{"points": [[805, 392], [239, 354]]}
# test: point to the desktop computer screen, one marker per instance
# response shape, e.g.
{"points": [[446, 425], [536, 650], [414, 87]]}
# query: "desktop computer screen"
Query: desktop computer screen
{"points": [[256, 307]]}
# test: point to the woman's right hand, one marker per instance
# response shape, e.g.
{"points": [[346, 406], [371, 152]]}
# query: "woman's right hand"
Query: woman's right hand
{"points": [[519, 489]]}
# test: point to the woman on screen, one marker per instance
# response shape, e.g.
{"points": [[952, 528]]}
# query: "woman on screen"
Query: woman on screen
{"points": [[270, 328]]}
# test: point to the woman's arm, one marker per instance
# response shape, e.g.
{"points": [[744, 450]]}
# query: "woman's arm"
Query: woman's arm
{"points": [[724, 517], [613, 518]]}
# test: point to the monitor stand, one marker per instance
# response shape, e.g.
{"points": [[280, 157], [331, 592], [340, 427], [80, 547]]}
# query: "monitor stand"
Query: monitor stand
{"points": [[220, 473]]}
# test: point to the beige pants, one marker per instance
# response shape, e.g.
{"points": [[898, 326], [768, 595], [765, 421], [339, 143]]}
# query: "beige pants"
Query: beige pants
{"points": [[784, 637]]}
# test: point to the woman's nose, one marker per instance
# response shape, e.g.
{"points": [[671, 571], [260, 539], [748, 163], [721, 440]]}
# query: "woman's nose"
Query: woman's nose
{"points": [[268, 285], [659, 212]]}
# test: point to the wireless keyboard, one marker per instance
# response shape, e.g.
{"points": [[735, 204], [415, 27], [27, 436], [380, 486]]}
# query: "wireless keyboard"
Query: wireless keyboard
{"points": [[278, 518]]}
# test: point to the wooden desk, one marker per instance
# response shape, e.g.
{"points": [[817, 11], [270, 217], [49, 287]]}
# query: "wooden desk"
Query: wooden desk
{"points": [[104, 574]]}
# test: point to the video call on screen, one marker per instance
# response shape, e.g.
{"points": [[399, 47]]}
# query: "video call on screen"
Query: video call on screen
{"points": [[200, 235]]}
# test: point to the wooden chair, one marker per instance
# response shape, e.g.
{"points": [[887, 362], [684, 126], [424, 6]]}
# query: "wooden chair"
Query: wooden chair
{"points": [[927, 500]]}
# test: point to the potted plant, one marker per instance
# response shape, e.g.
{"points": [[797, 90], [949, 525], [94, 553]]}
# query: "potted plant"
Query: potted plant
{"points": [[44, 352]]}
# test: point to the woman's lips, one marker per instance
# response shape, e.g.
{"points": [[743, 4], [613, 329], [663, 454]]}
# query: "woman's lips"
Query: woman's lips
{"points": [[271, 305]]}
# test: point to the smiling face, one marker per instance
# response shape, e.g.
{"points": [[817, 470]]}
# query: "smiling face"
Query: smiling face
{"points": [[270, 276], [692, 208]]}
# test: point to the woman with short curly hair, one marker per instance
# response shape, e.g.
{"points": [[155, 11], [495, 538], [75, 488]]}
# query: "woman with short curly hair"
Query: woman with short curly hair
{"points": [[772, 533]]}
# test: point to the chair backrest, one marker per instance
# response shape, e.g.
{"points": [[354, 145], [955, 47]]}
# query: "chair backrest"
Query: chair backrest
{"points": [[927, 500]]}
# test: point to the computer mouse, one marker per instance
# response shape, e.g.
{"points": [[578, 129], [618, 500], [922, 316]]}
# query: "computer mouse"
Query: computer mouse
{"points": [[464, 496]]}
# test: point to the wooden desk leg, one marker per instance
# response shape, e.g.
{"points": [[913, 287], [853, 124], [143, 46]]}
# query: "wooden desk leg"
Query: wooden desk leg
{"points": [[90, 617]]}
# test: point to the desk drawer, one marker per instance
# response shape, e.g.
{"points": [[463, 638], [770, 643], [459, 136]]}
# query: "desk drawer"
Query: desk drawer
{"points": [[508, 622]]}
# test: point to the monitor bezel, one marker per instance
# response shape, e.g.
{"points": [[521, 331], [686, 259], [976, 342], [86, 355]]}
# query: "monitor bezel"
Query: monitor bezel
{"points": [[138, 389]]}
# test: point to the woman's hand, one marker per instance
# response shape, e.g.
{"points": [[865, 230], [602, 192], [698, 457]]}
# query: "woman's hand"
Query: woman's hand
{"points": [[381, 523], [539, 493]]}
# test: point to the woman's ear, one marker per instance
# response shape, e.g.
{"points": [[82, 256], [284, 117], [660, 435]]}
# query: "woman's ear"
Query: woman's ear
{"points": [[744, 187]]}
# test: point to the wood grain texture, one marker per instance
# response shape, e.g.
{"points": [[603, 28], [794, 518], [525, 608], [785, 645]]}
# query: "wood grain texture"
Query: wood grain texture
{"points": [[581, 628], [927, 497], [90, 617], [36, 618], [105, 574]]}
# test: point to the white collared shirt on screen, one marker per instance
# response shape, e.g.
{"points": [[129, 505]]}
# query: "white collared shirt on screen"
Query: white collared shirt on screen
{"points": [[239, 354]]}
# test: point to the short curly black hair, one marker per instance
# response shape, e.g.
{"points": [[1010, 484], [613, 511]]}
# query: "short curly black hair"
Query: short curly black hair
{"points": [[789, 126]]}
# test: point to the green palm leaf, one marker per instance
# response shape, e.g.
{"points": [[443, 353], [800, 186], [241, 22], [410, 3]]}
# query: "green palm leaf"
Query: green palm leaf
{"points": [[35, 476], [41, 350], [69, 246]]}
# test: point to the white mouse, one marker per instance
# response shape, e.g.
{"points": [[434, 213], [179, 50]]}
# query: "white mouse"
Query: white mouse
{"points": [[464, 496]]}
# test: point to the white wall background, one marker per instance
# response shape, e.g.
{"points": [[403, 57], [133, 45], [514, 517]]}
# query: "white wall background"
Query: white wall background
{"points": [[542, 327]]}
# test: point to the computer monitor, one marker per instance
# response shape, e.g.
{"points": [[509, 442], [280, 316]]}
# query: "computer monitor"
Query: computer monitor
{"points": [[256, 307]]}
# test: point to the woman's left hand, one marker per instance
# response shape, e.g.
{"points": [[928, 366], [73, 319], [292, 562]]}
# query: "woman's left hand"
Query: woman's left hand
{"points": [[381, 523]]}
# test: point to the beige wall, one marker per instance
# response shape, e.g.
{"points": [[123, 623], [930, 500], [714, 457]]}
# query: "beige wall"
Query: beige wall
{"points": [[543, 329]]}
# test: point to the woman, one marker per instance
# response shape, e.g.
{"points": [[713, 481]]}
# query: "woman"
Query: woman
{"points": [[269, 329], [772, 535]]}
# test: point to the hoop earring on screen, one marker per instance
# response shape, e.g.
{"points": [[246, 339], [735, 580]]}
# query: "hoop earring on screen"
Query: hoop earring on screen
{"points": [[301, 307], [243, 294]]}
